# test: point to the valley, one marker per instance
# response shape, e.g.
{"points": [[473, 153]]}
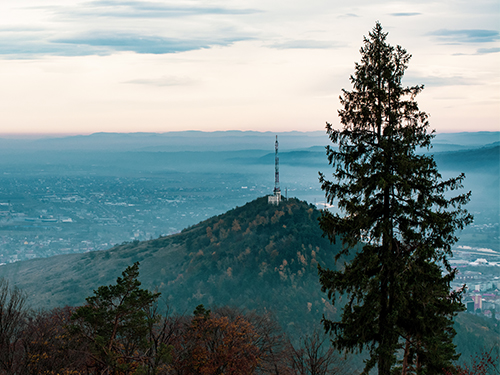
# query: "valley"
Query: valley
{"points": [[59, 196]]}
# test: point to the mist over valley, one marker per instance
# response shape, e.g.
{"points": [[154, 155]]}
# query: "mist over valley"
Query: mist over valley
{"points": [[85, 193]]}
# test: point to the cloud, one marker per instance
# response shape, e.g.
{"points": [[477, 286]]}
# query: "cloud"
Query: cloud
{"points": [[438, 81], [409, 14], [466, 36], [27, 45], [141, 43], [145, 9], [348, 15], [305, 44], [484, 51], [31, 45], [163, 81], [19, 29], [102, 27]]}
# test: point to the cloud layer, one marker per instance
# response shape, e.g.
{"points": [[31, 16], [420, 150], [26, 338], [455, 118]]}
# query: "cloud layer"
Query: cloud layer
{"points": [[466, 36], [96, 42], [104, 27]]}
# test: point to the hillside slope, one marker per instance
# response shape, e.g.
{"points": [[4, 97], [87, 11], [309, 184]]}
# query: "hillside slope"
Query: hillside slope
{"points": [[257, 256]]}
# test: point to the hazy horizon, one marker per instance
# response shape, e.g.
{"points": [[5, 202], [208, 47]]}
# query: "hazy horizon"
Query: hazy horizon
{"points": [[61, 193], [35, 136]]}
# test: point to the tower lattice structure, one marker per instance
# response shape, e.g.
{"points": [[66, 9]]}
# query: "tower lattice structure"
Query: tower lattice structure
{"points": [[276, 197], [277, 189]]}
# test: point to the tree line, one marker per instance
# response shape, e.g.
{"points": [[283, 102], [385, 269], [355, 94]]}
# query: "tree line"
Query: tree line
{"points": [[120, 330]]}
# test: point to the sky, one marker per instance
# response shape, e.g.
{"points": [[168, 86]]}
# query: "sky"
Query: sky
{"points": [[79, 67]]}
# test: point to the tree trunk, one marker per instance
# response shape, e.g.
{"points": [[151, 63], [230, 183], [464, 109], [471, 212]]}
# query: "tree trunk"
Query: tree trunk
{"points": [[405, 357]]}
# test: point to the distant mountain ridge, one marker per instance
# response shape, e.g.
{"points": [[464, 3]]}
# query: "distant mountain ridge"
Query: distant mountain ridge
{"points": [[213, 141], [465, 159], [169, 141], [487, 157]]}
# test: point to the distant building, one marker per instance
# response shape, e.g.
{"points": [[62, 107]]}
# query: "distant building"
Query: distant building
{"points": [[478, 301], [274, 199], [470, 306]]}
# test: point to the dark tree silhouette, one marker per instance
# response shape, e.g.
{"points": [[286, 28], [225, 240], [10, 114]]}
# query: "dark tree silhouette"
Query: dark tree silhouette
{"points": [[13, 320], [392, 200], [313, 357]]}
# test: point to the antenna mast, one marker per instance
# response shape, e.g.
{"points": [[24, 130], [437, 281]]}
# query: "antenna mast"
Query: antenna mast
{"points": [[276, 197], [277, 189]]}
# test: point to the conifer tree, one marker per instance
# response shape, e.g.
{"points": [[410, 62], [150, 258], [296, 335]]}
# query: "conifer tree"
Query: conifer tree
{"points": [[114, 323], [393, 201]]}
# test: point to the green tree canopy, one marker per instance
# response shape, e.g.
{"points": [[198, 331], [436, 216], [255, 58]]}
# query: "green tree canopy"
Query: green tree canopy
{"points": [[115, 323], [392, 200]]}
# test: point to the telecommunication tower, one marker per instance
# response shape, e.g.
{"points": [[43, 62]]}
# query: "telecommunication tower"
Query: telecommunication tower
{"points": [[276, 169], [276, 197]]}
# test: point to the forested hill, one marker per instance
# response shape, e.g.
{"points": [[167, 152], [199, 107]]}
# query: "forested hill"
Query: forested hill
{"points": [[258, 256]]}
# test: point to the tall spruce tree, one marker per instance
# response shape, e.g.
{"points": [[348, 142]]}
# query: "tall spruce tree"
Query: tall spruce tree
{"points": [[393, 201]]}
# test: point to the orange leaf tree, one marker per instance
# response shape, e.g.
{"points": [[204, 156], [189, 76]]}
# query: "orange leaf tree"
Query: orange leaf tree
{"points": [[217, 345]]}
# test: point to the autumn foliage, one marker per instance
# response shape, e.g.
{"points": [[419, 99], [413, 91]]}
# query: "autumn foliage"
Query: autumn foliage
{"points": [[215, 344], [221, 342], [121, 331], [482, 364]]}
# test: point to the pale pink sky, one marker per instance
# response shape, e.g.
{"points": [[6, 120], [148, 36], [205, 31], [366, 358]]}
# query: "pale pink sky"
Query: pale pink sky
{"points": [[78, 67]]}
